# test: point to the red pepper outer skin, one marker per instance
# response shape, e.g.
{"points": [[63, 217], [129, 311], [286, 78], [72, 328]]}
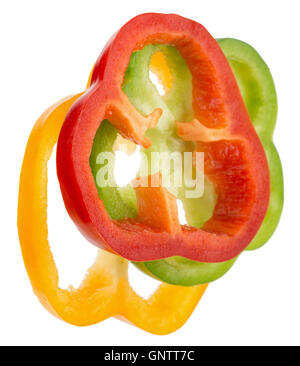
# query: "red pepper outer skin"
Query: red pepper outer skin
{"points": [[217, 104]]}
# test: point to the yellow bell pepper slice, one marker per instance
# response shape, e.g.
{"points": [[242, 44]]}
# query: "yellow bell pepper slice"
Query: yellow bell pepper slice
{"points": [[105, 291]]}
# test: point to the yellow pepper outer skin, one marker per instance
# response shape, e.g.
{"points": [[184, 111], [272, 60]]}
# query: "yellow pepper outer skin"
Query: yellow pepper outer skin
{"points": [[105, 291]]}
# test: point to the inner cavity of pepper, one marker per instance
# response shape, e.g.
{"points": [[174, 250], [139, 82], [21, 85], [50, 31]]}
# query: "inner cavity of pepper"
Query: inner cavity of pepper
{"points": [[157, 77]]}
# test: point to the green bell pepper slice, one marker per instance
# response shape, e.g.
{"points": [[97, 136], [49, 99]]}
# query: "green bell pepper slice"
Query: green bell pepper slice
{"points": [[258, 91]]}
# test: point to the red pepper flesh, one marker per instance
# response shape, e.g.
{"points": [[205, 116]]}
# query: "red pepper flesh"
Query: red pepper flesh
{"points": [[235, 160]]}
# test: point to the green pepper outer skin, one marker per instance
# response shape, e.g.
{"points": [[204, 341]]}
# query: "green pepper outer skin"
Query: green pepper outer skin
{"points": [[257, 88]]}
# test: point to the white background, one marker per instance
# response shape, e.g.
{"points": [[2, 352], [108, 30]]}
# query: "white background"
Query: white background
{"points": [[47, 50]]}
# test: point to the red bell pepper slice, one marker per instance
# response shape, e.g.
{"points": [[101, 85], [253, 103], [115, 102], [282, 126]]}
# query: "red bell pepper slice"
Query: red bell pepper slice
{"points": [[235, 160]]}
